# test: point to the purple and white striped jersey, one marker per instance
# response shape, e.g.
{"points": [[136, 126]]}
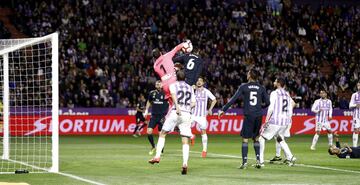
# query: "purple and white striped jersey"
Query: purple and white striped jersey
{"points": [[184, 94], [323, 109], [280, 106], [355, 100], [202, 96]]}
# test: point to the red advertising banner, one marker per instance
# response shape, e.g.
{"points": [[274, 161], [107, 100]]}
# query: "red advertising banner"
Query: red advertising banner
{"points": [[123, 125]]}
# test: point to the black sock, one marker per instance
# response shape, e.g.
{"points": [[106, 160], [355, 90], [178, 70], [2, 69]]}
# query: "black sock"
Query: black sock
{"points": [[136, 128], [244, 152], [151, 140], [257, 149]]}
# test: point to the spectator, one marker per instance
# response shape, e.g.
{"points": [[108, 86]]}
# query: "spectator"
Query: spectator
{"points": [[101, 42]]}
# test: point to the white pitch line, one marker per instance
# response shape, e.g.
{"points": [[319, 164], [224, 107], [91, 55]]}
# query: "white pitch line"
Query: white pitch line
{"points": [[296, 164], [60, 173], [79, 178]]}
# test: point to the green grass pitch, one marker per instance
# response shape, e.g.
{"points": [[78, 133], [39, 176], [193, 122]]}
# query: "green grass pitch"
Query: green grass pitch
{"points": [[123, 160]]}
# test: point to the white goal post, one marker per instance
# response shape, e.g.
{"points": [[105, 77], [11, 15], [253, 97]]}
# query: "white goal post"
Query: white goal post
{"points": [[29, 99]]}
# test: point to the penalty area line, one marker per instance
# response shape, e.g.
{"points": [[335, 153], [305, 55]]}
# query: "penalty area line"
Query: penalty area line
{"points": [[79, 178], [296, 164]]}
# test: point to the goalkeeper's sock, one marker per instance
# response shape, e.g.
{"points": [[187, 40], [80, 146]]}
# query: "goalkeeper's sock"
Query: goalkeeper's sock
{"points": [[160, 146], [136, 129], [151, 140], [244, 152], [257, 150], [186, 149]]}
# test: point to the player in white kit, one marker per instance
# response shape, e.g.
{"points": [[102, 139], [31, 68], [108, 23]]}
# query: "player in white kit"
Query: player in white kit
{"points": [[286, 135], [183, 97], [277, 121], [199, 113], [355, 105], [323, 109]]}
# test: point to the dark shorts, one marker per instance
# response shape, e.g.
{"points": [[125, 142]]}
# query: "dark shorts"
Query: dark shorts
{"points": [[157, 119], [139, 117], [251, 126]]}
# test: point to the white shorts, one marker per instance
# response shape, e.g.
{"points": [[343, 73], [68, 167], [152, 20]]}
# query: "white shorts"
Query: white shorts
{"points": [[356, 123], [201, 121], [271, 130], [323, 126], [287, 131], [183, 122]]}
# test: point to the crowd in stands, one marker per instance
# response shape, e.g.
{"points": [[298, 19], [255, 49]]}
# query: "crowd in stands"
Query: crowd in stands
{"points": [[105, 46], [4, 33]]}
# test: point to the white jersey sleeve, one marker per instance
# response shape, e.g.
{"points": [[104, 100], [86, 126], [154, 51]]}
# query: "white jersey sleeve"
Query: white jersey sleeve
{"points": [[210, 95], [272, 102], [352, 101], [315, 107]]}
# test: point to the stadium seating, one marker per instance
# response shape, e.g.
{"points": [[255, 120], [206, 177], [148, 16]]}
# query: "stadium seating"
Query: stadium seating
{"points": [[106, 48]]}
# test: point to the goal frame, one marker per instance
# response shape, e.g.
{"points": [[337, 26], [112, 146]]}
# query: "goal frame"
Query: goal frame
{"points": [[54, 37]]}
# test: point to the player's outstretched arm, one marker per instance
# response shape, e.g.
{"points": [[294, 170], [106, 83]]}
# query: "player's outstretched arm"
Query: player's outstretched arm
{"points": [[179, 59], [175, 50], [232, 100]]}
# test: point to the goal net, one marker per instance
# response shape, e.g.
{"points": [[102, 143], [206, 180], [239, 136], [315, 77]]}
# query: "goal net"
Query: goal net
{"points": [[29, 105]]}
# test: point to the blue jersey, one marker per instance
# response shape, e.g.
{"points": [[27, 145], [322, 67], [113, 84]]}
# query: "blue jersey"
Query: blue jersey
{"points": [[254, 97], [193, 65], [345, 152]]}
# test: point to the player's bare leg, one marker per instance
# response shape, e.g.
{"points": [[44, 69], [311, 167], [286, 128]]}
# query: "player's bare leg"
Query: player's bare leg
{"points": [[160, 145], [204, 139], [186, 151], [355, 136]]}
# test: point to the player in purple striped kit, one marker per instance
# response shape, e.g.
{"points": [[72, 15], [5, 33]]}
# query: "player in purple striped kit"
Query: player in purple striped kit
{"points": [[323, 109], [179, 115], [277, 121], [202, 95], [355, 105]]}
